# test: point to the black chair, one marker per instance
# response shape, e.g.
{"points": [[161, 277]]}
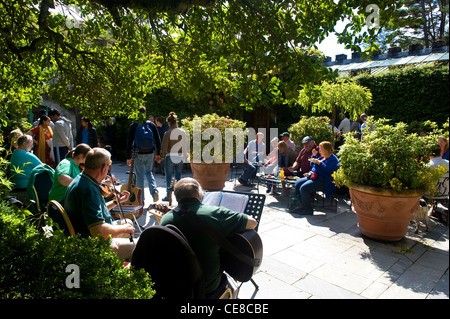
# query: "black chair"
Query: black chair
{"points": [[164, 253]]}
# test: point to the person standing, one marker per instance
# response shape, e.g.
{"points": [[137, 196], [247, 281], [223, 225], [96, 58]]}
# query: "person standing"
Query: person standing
{"points": [[42, 137], [173, 156], [62, 135], [143, 138], [87, 134]]}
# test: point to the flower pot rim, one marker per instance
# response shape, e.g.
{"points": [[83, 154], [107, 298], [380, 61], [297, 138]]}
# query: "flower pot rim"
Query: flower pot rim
{"points": [[387, 192]]}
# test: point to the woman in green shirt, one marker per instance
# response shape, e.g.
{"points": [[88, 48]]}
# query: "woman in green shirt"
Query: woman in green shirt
{"points": [[67, 170]]}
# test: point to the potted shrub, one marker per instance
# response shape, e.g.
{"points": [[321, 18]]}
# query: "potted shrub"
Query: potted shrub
{"points": [[386, 174], [316, 126], [214, 142]]}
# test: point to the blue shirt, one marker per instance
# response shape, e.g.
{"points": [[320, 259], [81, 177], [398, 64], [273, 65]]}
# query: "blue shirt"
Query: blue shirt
{"points": [[85, 136], [25, 161]]}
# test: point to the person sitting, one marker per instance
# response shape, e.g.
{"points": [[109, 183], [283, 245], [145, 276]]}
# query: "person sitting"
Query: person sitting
{"points": [[88, 210], [443, 143], [284, 159], [254, 154], [25, 161], [302, 162], [285, 137], [67, 170], [189, 194], [320, 178], [271, 159]]}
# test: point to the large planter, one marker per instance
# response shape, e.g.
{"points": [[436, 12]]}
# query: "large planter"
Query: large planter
{"points": [[212, 176], [383, 214]]}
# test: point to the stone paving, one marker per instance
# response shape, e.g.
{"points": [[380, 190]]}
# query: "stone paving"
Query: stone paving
{"points": [[325, 256]]}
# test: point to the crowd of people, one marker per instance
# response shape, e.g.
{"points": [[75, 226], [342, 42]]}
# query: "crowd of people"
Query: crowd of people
{"points": [[81, 168]]}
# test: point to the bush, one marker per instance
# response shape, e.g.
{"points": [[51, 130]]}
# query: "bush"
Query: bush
{"points": [[34, 266], [389, 158], [207, 147], [315, 126]]}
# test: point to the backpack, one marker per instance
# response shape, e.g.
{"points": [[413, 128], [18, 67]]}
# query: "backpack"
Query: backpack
{"points": [[144, 140]]}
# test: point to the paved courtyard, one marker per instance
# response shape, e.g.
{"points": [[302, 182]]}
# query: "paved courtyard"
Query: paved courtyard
{"points": [[325, 256]]}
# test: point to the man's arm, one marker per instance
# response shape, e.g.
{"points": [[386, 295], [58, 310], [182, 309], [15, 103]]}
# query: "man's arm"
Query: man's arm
{"points": [[105, 229]]}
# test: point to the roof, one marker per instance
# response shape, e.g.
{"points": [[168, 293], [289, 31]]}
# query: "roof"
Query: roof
{"points": [[384, 61]]}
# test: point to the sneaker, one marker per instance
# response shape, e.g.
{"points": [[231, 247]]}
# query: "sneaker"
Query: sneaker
{"points": [[155, 196], [165, 199]]}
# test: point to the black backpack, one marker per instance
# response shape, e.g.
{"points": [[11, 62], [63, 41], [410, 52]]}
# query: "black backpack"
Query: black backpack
{"points": [[144, 140]]}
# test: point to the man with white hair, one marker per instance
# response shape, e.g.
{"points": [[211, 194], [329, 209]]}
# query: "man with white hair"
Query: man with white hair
{"points": [[89, 212], [254, 154], [189, 194]]}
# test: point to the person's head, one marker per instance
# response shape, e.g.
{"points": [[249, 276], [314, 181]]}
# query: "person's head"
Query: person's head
{"points": [[54, 114], [25, 142], [435, 151], [308, 143], [363, 117], [188, 188], [285, 136], [282, 146], [443, 143], [78, 154], [44, 121], [85, 122], [259, 137], [13, 137], [326, 149], [159, 121], [172, 119], [274, 142], [98, 161]]}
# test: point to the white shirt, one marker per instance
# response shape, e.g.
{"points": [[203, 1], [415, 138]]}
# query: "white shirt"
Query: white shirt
{"points": [[344, 126]]}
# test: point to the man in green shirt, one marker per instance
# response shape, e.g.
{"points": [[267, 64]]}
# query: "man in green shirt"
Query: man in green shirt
{"points": [[66, 171], [189, 194], [89, 212]]}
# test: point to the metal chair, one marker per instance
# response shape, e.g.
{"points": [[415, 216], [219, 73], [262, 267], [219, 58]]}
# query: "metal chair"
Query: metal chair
{"points": [[59, 216], [440, 195]]}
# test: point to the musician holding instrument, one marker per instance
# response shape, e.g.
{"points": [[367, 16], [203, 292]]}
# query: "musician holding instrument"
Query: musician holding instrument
{"points": [[189, 194], [88, 210], [66, 171]]}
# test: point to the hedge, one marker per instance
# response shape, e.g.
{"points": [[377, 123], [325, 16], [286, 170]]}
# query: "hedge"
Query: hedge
{"points": [[409, 94]]}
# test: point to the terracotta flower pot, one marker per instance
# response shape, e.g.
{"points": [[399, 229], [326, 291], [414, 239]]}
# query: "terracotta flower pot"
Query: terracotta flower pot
{"points": [[382, 214], [212, 176]]}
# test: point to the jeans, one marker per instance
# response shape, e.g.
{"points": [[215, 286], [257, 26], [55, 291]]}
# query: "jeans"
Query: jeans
{"points": [[249, 172], [173, 164], [60, 153], [305, 187], [143, 165]]}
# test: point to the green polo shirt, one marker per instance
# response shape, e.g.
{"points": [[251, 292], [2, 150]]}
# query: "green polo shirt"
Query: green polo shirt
{"points": [[222, 220], [66, 167], [85, 205]]}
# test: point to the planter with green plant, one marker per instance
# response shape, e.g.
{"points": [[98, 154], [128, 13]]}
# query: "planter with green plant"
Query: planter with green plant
{"points": [[386, 174], [214, 142]]}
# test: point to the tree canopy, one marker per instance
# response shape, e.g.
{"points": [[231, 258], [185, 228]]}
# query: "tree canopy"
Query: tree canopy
{"points": [[105, 56]]}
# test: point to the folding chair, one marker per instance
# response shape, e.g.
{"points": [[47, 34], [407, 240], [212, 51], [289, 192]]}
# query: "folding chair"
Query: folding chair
{"points": [[441, 196]]}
